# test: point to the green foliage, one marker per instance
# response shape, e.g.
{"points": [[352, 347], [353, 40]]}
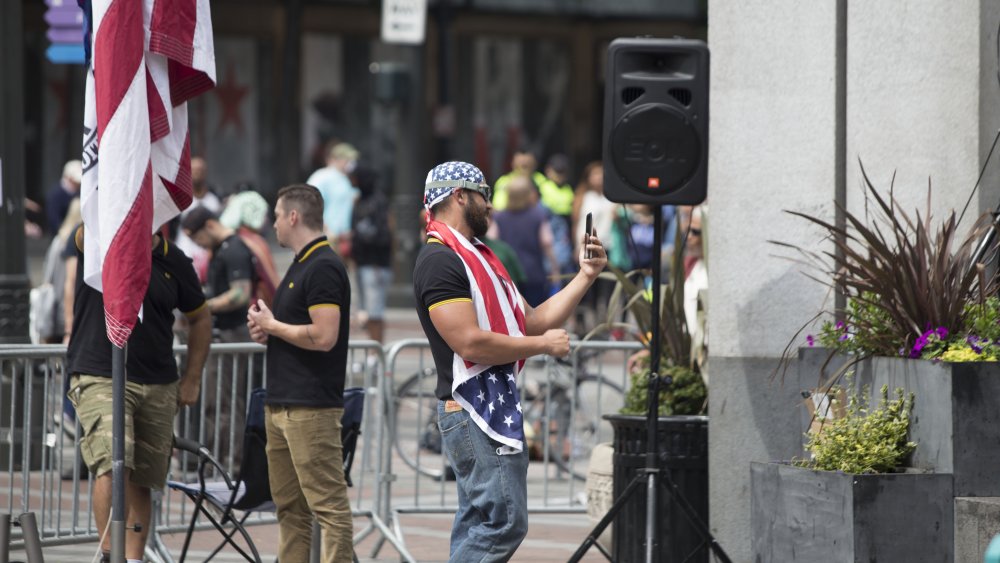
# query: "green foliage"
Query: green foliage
{"points": [[864, 440], [911, 286], [983, 318], [685, 395]]}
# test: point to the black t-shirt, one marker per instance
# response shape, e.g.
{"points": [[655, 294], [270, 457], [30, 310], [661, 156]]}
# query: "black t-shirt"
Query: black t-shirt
{"points": [[316, 278], [231, 261], [173, 284], [439, 278]]}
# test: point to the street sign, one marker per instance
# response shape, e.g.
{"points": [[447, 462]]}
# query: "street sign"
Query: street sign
{"points": [[65, 19], [404, 21], [66, 54]]}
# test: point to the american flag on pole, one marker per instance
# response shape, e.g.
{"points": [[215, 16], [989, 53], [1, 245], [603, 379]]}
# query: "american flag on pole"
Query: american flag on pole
{"points": [[147, 59]]}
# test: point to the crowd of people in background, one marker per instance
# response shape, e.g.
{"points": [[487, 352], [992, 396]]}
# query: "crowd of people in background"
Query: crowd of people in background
{"points": [[536, 229]]}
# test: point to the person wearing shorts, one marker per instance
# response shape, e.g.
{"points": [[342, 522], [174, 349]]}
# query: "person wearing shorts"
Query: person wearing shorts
{"points": [[153, 390]]}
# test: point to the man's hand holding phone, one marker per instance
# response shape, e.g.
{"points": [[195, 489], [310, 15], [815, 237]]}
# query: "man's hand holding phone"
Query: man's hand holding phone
{"points": [[594, 258]]}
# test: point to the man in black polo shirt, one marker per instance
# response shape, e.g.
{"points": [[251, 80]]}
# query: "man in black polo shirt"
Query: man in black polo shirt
{"points": [[152, 390], [480, 330], [229, 287], [306, 338]]}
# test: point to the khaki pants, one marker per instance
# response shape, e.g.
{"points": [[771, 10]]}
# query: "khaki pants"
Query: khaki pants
{"points": [[305, 462]]}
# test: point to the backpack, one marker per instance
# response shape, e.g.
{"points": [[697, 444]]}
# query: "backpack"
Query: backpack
{"points": [[370, 224]]}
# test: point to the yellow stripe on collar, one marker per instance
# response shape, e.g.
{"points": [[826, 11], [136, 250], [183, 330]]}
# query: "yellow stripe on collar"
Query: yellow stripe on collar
{"points": [[314, 247]]}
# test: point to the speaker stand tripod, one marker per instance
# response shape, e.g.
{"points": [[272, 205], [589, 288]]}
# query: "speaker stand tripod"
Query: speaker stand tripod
{"points": [[652, 474]]}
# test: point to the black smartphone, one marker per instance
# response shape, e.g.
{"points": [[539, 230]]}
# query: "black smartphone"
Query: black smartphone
{"points": [[586, 236]]}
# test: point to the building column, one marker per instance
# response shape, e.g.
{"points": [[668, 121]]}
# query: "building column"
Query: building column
{"points": [[773, 147], [14, 282]]}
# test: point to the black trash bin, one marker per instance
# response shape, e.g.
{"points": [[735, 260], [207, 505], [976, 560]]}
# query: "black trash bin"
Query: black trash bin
{"points": [[683, 454]]}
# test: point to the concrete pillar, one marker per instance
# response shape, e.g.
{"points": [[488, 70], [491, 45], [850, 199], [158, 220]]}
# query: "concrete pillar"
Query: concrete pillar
{"points": [[923, 101], [773, 146], [14, 282], [799, 92]]}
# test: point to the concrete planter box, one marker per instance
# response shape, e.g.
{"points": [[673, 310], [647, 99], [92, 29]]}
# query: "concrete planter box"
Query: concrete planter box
{"points": [[955, 417], [800, 514]]}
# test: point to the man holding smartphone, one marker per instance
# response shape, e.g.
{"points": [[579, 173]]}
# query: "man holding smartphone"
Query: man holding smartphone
{"points": [[480, 331]]}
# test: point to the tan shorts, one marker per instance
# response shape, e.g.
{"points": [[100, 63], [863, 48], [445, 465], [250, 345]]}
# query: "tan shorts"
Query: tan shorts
{"points": [[149, 415]]}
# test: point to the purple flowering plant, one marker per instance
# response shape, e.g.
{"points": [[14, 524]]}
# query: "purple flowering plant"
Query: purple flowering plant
{"points": [[911, 287]]}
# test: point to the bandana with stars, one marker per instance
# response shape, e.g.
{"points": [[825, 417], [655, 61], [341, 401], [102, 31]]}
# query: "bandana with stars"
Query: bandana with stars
{"points": [[447, 171]]}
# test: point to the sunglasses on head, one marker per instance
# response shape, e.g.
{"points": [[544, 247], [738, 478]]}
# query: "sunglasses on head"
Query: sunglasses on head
{"points": [[483, 189]]}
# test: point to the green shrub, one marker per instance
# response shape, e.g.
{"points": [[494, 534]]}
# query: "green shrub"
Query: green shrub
{"points": [[684, 396], [864, 440]]}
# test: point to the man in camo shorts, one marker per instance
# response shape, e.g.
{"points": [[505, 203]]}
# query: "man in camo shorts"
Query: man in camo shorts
{"points": [[153, 391]]}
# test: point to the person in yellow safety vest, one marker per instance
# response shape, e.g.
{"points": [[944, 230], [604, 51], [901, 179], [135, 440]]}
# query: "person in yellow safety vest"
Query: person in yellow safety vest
{"points": [[557, 196], [523, 162], [556, 192]]}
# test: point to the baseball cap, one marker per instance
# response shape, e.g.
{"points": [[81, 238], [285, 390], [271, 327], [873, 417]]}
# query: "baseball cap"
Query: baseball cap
{"points": [[73, 171]]}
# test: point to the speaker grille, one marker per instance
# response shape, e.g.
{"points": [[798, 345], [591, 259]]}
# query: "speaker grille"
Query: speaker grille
{"points": [[682, 95], [631, 94]]}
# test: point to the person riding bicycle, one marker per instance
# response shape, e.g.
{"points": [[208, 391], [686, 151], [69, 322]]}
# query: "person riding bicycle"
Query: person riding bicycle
{"points": [[480, 330]]}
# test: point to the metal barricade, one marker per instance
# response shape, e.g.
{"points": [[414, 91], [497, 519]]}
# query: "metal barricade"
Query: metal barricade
{"points": [[37, 443], [562, 406]]}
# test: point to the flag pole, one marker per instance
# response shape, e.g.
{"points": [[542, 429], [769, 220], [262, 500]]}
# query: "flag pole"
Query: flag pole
{"points": [[118, 454]]}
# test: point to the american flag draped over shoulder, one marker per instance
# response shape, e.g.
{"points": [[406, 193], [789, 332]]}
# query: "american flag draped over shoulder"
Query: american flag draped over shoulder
{"points": [[147, 59], [488, 393]]}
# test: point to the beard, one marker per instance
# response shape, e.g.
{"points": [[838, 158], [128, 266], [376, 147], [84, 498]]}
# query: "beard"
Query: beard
{"points": [[478, 219]]}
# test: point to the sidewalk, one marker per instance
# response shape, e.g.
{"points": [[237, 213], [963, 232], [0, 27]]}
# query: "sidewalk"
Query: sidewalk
{"points": [[551, 538]]}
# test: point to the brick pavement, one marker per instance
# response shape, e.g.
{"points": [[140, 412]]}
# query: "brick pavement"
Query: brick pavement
{"points": [[551, 538]]}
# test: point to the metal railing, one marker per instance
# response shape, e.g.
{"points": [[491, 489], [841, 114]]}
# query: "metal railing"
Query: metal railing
{"points": [[398, 469], [562, 406]]}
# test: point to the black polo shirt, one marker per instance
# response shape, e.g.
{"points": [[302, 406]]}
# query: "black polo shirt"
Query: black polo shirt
{"points": [[316, 278], [439, 278], [231, 261], [173, 284]]}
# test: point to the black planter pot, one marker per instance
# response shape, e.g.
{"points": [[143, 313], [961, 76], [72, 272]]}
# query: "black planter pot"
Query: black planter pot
{"points": [[683, 457]]}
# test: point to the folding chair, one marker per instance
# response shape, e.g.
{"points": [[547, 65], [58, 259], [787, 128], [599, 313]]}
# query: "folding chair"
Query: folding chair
{"points": [[250, 492]]}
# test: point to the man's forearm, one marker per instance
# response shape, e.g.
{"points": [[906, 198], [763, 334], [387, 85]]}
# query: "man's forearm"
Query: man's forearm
{"points": [[237, 297], [492, 348], [554, 312], [199, 340]]}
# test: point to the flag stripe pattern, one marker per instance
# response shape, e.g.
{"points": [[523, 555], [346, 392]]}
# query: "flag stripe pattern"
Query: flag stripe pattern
{"points": [[488, 393], [148, 58]]}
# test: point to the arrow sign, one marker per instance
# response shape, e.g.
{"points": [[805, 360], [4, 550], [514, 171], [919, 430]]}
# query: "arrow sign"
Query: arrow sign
{"points": [[66, 54], [65, 35], [69, 16]]}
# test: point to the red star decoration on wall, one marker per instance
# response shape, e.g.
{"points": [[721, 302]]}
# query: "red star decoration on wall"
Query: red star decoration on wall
{"points": [[60, 92], [230, 95]]}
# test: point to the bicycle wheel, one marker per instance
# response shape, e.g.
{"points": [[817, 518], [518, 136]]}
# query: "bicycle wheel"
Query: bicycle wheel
{"points": [[417, 437], [595, 396]]}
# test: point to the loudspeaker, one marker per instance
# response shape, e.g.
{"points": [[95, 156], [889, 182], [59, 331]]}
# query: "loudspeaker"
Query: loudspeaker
{"points": [[656, 121]]}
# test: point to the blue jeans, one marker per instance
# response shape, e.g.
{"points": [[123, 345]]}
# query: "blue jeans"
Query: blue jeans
{"points": [[492, 517]]}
